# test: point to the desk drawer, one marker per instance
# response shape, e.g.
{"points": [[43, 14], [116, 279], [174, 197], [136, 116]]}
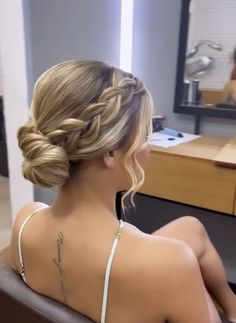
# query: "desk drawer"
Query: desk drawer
{"points": [[192, 181]]}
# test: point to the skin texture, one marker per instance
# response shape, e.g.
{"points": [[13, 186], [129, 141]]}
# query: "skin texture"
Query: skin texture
{"points": [[154, 279], [229, 93]]}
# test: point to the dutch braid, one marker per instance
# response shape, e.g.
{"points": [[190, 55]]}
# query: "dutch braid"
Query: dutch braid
{"points": [[80, 110]]}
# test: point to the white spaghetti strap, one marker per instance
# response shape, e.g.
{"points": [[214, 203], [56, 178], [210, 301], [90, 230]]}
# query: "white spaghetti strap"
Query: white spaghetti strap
{"points": [[108, 271], [22, 268]]}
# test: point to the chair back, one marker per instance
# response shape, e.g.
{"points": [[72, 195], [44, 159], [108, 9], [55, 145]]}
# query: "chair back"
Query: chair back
{"points": [[19, 303]]}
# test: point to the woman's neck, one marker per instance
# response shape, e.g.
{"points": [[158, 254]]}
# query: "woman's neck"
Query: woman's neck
{"points": [[87, 194]]}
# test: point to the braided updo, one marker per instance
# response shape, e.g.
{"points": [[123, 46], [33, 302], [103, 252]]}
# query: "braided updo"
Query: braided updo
{"points": [[81, 110]]}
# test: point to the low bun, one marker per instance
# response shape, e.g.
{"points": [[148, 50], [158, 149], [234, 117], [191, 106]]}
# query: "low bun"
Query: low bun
{"points": [[80, 111], [44, 164]]}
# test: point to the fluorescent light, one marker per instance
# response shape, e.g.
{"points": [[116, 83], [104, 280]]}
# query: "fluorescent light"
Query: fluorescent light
{"points": [[126, 34]]}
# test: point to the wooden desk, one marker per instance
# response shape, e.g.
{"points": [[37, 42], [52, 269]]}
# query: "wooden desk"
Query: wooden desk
{"points": [[188, 174]]}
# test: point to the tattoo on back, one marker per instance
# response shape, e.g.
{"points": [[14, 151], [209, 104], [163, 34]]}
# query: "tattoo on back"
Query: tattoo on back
{"points": [[58, 262]]}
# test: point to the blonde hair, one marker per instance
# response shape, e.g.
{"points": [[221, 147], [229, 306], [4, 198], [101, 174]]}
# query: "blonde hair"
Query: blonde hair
{"points": [[81, 110]]}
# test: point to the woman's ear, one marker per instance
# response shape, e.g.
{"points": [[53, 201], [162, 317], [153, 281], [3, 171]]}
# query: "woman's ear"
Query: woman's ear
{"points": [[109, 160]]}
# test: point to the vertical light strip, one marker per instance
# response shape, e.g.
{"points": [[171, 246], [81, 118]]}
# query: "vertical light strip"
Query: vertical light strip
{"points": [[126, 35]]}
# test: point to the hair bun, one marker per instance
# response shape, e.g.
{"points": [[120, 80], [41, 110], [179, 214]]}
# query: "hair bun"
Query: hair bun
{"points": [[44, 164]]}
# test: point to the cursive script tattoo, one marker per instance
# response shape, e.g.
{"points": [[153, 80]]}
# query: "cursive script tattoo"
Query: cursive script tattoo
{"points": [[58, 262]]}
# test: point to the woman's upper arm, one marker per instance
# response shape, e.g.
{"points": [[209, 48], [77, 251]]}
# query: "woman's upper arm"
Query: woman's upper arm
{"points": [[186, 301]]}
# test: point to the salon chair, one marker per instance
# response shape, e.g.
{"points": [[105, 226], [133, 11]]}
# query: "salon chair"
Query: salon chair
{"points": [[20, 304]]}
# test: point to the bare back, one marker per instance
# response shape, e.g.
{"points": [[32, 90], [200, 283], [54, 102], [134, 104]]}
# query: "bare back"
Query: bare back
{"points": [[66, 260]]}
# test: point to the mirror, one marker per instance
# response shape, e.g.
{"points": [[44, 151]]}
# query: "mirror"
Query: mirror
{"points": [[206, 68]]}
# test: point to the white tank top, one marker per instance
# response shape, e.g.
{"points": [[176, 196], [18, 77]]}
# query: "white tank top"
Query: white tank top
{"points": [[108, 267]]}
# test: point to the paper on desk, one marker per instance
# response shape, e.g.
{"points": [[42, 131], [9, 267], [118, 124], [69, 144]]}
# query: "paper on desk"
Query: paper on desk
{"points": [[163, 140]]}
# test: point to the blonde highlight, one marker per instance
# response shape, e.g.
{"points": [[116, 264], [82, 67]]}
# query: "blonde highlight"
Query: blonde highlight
{"points": [[79, 111]]}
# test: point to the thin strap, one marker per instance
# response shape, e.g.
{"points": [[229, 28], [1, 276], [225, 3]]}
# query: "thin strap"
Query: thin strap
{"points": [[22, 268], [108, 271]]}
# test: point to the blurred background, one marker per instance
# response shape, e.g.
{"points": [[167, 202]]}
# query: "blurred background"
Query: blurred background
{"points": [[36, 34]]}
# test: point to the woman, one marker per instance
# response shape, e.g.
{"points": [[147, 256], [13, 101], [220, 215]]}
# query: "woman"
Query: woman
{"points": [[88, 135], [229, 92]]}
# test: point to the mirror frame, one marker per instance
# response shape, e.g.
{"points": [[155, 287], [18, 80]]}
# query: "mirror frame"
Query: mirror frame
{"points": [[221, 110]]}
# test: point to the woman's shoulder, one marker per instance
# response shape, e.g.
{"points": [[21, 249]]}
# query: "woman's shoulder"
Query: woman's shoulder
{"points": [[27, 209], [156, 267], [23, 213], [158, 249], [21, 216], [158, 246]]}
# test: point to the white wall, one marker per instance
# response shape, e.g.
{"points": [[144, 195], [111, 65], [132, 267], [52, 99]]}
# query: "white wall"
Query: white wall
{"points": [[75, 29], [156, 36], [15, 95], [58, 30], [1, 76], [214, 20]]}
